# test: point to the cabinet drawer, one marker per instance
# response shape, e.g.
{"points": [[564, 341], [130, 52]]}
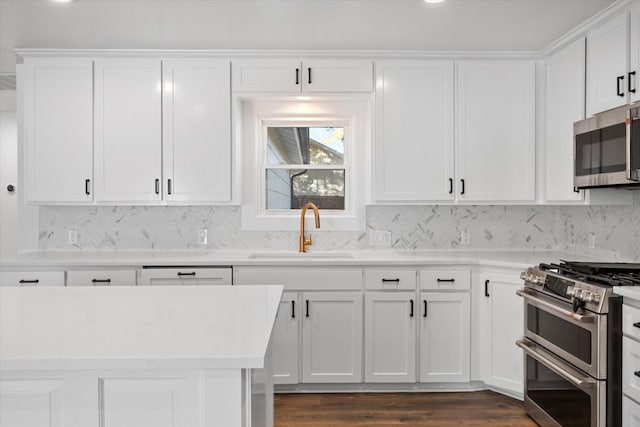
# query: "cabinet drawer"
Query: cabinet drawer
{"points": [[294, 278], [101, 277], [445, 279], [390, 279], [631, 365], [32, 278], [631, 316], [186, 276]]}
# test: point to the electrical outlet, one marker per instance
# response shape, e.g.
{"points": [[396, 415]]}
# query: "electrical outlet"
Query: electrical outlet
{"points": [[72, 236], [591, 241], [379, 238], [203, 236], [465, 236]]}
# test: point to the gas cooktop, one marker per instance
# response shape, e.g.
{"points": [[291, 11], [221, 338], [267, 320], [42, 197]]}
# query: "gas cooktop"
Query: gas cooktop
{"points": [[597, 273]]}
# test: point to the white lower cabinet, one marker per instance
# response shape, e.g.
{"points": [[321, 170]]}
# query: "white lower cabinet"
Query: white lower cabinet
{"points": [[390, 337], [502, 325], [630, 413], [32, 278], [285, 341], [332, 337], [101, 277], [445, 337], [630, 363], [185, 276]]}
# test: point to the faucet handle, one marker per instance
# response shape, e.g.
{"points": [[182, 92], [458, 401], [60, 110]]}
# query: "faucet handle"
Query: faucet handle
{"points": [[310, 241]]}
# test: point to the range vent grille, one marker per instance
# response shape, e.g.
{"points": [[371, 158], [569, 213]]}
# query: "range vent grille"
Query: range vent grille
{"points": [[7, 81]]}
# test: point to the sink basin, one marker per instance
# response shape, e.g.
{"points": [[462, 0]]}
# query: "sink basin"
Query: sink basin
{"points": [[300, 255]]}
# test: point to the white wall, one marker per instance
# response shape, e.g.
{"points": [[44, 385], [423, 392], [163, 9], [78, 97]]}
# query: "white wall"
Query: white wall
{"points": [[288, 24]]}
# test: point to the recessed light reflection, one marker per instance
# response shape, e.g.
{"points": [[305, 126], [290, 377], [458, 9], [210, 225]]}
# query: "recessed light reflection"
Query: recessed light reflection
{"points": [[304, 98]]}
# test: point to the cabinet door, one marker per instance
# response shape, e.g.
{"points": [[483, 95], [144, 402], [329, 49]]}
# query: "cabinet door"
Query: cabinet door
{"points": [[128, 130], [58, 119], [503, 326], [267, 75], [565, 75], [445, 337], [285, 340], [634, 59], [337, 75], [390, 337], [607, 65], [197, 130], [496, 131], [332, 337], [414, 131]]}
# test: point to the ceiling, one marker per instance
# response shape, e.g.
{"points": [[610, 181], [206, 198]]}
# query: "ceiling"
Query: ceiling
{"points": [[468, 25]]}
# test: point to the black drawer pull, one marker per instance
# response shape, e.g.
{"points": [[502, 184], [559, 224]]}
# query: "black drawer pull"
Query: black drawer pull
{"points": [[486, 288], [293, 309], [101, 280], [637, 324], [193, 273], [445, 280], [391, 280], [411, 304], [306, 303], [425, 308], [29, 281], [637, 373]]}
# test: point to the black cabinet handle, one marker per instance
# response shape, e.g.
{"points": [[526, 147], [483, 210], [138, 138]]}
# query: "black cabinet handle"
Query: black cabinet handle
{"points": [[193, 273], [306, 303], [637, 373], [309, 70], [576, 190], [445, 280], [619, 80], [391, 280], [637, 324], [157, 186], [462, 190], [29, 281], [11, 188], [629, 84], [169, 188], [411, 305], [100, 280], [486, 288], [297, 76], [87, 190], [425, 308], [293, 309], [450, 185]]}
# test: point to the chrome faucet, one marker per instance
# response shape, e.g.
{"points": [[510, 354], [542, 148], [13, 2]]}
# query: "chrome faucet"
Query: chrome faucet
{"points": [[303, 240]]}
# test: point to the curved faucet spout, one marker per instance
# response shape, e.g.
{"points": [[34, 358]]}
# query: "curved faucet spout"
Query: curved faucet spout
{"points": [[304, 242]]}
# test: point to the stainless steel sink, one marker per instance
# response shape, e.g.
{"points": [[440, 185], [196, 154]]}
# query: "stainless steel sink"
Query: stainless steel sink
{"points": [[300, 255]]}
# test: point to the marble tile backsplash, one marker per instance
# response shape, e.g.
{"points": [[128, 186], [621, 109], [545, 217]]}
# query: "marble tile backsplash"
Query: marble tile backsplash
{"points": [[616, 229]]}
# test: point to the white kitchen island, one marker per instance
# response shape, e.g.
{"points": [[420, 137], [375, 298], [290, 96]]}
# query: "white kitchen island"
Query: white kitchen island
{"points": [[136, 356]]}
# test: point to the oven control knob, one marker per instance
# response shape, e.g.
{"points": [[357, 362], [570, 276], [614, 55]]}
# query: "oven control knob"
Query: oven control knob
{"points": [[570, 291]]}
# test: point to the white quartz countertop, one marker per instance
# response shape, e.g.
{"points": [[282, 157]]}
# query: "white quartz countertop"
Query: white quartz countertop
{"points": [[627, 291], [136, 327], [497, 258]]}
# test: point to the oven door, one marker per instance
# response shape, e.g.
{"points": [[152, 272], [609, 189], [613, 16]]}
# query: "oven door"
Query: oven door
{"points": [[580, 339], [557, 394]]}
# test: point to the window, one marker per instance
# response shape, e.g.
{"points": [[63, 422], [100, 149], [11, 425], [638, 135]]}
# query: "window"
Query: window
{"points": [[305, 164], [297, 152]]}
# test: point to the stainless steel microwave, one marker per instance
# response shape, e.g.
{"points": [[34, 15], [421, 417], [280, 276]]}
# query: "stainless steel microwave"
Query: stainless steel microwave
{"points": [[607, 149]]}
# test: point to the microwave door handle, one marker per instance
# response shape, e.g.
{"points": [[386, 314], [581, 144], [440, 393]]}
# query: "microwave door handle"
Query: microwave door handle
{"points": [[579, 381], [554, 308]]}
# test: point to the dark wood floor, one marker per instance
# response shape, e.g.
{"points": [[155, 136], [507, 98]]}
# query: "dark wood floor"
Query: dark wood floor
{"points": [[483, 408]]}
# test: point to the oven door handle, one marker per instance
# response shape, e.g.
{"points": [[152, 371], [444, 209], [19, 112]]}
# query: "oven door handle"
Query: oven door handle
{"points": [[582, 382], [554, 308]]}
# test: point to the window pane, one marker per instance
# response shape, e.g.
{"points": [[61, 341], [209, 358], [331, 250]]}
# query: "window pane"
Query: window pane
{"points": [[293, 188], [305, 146]]}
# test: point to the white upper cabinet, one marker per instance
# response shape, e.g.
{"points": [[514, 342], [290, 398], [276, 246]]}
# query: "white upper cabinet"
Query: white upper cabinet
{"points": [[565, 97], [196, 130], [128, 130], [294, 76], [610, 81], [58, 111], [414, 145], [495, 130], [634, 54]]}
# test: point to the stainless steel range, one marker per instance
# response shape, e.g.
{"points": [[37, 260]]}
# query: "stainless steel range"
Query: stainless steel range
{"points": [[573, 342]]}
